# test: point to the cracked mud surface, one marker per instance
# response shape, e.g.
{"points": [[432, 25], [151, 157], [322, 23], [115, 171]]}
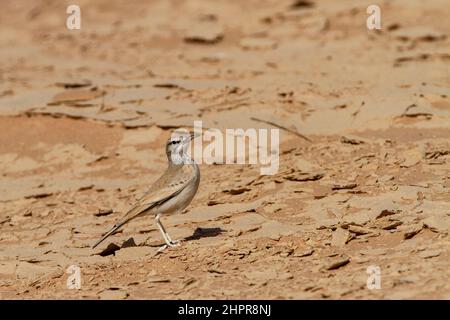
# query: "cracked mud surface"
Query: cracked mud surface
{"points": [[84, 116]]}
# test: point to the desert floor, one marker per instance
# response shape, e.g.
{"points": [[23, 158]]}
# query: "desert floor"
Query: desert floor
{"points": [[84, 115]]}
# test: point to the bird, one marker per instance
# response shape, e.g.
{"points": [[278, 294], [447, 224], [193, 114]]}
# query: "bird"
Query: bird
{"points": [[171, 193]]}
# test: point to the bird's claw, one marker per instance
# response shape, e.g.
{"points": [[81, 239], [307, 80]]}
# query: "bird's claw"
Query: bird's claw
{"points": [[171, 244], [162, 248], [175, 243]]}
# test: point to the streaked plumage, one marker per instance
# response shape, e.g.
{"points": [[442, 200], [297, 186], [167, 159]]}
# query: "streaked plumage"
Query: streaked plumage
{"points": [[171, 193]]}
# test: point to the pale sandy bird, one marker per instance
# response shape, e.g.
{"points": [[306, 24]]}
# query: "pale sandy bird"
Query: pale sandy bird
{"points": [[171, 193]]}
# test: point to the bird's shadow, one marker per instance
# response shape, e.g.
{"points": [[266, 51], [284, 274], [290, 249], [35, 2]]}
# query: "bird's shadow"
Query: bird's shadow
{"points": [[204, 233], [198, 234]]}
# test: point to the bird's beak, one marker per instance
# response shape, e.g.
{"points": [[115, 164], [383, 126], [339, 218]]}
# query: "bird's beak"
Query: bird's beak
{"points": [[193, 135]]}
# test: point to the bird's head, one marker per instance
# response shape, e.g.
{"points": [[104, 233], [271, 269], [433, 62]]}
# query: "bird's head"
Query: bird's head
{"points": [[177, 147]]}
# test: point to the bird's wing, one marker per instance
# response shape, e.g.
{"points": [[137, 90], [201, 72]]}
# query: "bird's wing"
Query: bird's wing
{"points": [[166, 187], [171, 183]]}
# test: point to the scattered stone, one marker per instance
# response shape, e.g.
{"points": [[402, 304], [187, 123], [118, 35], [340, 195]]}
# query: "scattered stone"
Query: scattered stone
{"points": [[430, 254], [373, 251], [301, 176], [327, 224], [7, 219], [418, 33], [103, 212], [360, 218], [167, 85], [344, 185], [340, 237], [412, 157], [213, 202], [412, 231], [337, 263], [437, 224], [285, 276], [392, 225], [142, 122], [321, 192], [31, 271], [86, 187], [386, 212], [206, 33], [385, 178], [74, 85], [158, 279], [39, 195], [257, 43], [17, 219], [8, 268], [275, 237], [258, 276], [303, 252], [71, 96], [189, 281], [358, 230], [237, 191], [112, 294], [28, 213], [352, 140], [240, 253], [285, 251], [303, 170], [301, 4], [435, 154], [214, 270]]}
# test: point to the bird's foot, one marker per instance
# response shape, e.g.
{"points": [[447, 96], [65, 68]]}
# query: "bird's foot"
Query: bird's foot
{"points": [[170, 244], [174, 243], [162, 248]]}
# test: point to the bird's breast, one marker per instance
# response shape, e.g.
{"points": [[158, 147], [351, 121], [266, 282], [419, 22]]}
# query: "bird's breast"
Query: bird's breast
{"points": [[182, 199]]}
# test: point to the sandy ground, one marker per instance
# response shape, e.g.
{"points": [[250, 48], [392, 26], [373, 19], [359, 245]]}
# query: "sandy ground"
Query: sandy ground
{"points": [[84, 116]]}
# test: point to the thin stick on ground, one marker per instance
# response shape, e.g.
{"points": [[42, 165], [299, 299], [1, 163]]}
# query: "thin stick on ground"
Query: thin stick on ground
{"points": [[283, 128]]}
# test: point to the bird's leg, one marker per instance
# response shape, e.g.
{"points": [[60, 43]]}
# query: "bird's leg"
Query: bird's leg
{"points": [[163, 232], [167, 239], [172, 243]]}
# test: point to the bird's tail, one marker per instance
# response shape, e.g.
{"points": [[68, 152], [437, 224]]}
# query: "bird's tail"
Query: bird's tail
{"points": [[110, 232], [133, 213]]}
